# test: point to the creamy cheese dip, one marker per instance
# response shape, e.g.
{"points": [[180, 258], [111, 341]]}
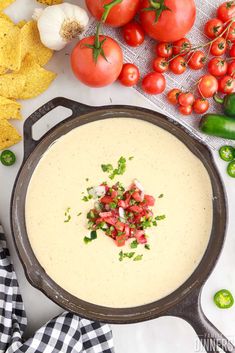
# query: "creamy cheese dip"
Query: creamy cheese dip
{"points": [[93, 271]]}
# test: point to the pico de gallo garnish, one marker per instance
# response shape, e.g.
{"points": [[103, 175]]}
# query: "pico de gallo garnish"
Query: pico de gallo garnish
{"points": [[122, 214]]}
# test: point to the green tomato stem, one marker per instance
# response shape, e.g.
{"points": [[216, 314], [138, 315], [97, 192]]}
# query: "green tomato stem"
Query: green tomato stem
{"points": [[155, 4], [108, 8], [218, 99]]}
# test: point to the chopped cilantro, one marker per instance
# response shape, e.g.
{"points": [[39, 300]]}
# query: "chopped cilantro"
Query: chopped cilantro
{"points": [[112, 205], [134, 244], [120, 170], [107, 168], [138, 258], [67, 215], [87, 198], [161, 196], [93, 235], [160, 218], [86, 240], [79, 214], [87, 179], [123, 255], [130, 158], [147, 246], [67, 219]]}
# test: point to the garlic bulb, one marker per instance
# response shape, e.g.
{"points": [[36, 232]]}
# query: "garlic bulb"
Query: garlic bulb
{"points": [[59, 24]]}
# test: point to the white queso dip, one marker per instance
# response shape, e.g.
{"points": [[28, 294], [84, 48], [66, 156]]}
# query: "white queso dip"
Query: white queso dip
{"points": [[93, 271]]}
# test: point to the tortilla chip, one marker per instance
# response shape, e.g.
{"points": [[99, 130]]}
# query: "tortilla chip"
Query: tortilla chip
{"points": [[37, 79], [50, 2], [31, 43], [9, 109], [10, 49], [12, 85], [3, 15], [21, 23], [9, 136], [5, 3]]}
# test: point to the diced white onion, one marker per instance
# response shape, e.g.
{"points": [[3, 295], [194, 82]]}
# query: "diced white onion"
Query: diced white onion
{"points": [[97, 191], [122, 214], [138, 185]]}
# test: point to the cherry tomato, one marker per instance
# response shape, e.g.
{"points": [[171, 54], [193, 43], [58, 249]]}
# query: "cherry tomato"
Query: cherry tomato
{"points": [[213, 28], [175, 20], [201, 105], [226, 85], [186, 99], [232, 51], [178, 65], [186, 110], [231, 69], [182, 47], [197, 60], [154, 83], [230, 34], [119, 15], [164, 49], [226, 11], [133, 34], [207, 86], [103, 72], [160, 65], [173, 96], [217, 67], [129, 75], [218, 48]]}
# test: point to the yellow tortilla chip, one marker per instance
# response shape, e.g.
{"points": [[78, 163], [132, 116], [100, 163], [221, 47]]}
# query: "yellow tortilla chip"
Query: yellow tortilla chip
{"points": [[37, 79], [50, 2], [9, 136], [21, 23], [31, 43], [9, 109], [12, 85], [10, 48], [5, 3], [3, 15]]}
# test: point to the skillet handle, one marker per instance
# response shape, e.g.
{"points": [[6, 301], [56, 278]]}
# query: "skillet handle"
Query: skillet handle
{"points": [[76, 108], [210, 337]]}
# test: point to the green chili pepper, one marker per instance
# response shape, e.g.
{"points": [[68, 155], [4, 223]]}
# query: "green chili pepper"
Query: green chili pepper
{"points": [[7, 158], [231, 169], [224, 299], [228, 103], [218, 125], [227, 153]]}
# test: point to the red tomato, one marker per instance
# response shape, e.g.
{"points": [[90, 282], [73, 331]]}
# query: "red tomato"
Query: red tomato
{"points": [[160, 65], [230, 34], [231, 69], [186, 110], [172, 24], [197, 60], [164, 50], [178, 65], [173, 96], [100, 73], [201, 105], [208, 86], [213, 28], [129, 75], [226, 11], [154, 83], [232, 51], [133, 34], [217, 67], [120, 14], [186, 99], [182, 46], [226, 85], [218, 48]]}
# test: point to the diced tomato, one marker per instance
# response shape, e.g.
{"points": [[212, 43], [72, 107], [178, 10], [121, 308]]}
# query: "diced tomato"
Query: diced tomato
{"points": [[127, 231], [111, 220], [135, 208], [120, 240], [120, 226], [122, 203], [114, 194], [105, 214], [106, 199], [140, 237], [99, 220], [137, 196], [149, 200]]}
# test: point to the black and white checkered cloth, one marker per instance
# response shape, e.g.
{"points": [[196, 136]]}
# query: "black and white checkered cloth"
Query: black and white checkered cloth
{"points": [[66, 333]]}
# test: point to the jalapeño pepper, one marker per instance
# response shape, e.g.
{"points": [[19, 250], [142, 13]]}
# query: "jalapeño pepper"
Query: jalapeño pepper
{"points": [[224, 299], [228, 103]]}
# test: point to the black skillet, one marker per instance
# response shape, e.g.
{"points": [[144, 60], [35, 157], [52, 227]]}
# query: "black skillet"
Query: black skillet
{"points": [[185, 302]]}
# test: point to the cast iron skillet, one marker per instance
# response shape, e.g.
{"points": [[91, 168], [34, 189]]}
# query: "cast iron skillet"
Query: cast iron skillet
{"points": [[185, 301]]}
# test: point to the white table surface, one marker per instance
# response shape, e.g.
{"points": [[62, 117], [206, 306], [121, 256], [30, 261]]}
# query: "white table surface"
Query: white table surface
{"points": [[161, 335]]}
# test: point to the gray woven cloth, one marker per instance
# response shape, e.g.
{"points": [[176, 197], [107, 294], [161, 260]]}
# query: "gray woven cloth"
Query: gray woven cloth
{"points": [[66, 333]]}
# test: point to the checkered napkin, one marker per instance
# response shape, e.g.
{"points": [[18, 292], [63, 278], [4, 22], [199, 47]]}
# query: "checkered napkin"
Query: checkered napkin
{"points": [[66, 333]]}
